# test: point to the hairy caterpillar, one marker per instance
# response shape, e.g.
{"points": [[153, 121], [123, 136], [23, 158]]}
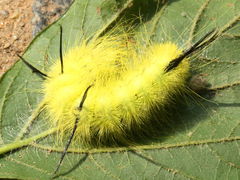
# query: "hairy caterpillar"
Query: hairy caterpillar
{"points": [[107, 91]]}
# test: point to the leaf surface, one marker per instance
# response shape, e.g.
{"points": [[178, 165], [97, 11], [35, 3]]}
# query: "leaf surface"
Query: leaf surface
{"points": [[202, 144]]}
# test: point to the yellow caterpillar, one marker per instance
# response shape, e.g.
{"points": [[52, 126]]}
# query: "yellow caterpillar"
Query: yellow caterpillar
{"points": [[107, 91], [128, 85]]}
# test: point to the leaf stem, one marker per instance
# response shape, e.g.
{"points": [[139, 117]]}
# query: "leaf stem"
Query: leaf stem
{"points": [[25, 142]]}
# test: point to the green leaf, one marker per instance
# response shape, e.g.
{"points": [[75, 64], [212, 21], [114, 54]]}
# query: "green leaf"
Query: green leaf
{"points": [[203, 143]]}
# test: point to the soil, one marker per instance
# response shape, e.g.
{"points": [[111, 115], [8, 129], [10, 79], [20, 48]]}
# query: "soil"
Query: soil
{"points": [[15, 30], [20, 21]]}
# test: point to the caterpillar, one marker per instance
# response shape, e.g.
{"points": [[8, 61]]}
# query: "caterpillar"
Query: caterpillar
{"points": [[107, 91]]}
